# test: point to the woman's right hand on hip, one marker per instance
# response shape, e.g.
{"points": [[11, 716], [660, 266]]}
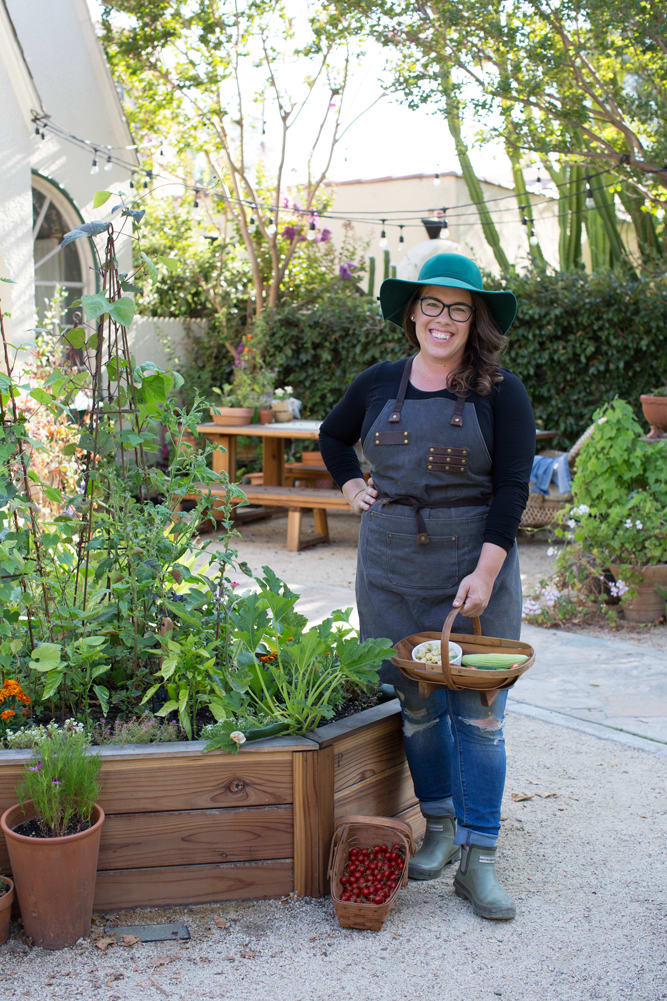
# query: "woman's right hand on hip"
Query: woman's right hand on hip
{"points": [[359, 494]]}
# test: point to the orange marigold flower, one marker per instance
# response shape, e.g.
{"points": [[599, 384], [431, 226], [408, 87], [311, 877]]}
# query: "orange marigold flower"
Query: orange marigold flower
{"points": [[24, 699], [7, 714]]}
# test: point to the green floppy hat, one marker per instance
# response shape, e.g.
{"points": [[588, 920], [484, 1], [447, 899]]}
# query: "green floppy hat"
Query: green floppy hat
{"points": [[450, 271]]}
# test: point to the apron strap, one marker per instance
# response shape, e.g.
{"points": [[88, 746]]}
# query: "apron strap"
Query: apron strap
{"points": [[457, 416], [395, 415]]}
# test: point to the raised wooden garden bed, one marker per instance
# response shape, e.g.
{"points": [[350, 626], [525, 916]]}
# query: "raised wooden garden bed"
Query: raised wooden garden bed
{"points": [[186, 827]]}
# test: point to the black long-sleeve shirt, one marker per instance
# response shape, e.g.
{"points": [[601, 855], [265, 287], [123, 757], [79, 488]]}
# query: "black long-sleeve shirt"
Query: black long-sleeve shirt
{"points": [[505, 418]]}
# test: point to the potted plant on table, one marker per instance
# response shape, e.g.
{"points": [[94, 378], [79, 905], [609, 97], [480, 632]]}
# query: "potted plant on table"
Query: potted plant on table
{"points": [[283, 403], [53, 837], [617, 522]]}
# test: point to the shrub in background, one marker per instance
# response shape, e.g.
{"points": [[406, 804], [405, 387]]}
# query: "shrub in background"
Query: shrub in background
{"points": [[579, 340]]}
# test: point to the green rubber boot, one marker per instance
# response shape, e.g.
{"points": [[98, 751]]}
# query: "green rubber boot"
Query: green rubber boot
{"points": [[477, 882], [437, 849]]}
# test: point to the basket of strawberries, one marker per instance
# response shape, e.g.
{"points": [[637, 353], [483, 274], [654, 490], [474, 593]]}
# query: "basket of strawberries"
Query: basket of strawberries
{"points": [[368, 864]]}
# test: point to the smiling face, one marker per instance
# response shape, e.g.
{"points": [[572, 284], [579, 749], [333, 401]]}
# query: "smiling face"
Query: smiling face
{"points": [[442, 340]]}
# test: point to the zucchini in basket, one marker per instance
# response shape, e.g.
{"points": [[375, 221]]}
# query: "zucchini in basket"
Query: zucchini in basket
{"points": [[489, 661]]}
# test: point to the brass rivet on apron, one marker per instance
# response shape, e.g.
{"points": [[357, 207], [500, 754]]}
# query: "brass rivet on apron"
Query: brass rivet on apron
{"points": [[429, 467]]}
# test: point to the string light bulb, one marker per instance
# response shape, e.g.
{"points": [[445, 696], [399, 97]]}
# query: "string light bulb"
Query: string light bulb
{"points": [[132, 180], [532, 239], [589, 190], [444, 225], [383, 237], [252, 225], [195, 200], [95, 167], [109, 164], [401, 238], [310, 235], [271, 229], [436, 180]]}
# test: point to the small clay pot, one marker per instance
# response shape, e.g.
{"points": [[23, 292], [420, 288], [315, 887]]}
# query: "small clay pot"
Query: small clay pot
{"points": [[6, 901]]}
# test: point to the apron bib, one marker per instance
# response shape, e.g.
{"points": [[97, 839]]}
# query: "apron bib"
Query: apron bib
{"points": [[433, 472]]}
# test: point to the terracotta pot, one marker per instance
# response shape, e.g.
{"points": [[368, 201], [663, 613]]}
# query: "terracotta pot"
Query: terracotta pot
{"points": [[232, 416], [6, 901], [655, 412], [54, 877], [648, 605], [265, 415]]}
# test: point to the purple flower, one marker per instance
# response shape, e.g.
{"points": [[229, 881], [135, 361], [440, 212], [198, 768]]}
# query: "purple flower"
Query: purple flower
{"points": [[324, 236], [55, 782], [35, 768], [345, 270], [293, 234]]}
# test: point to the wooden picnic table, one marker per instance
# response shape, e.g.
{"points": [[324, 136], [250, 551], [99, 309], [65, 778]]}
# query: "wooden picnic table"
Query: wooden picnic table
{"points": [[274, 438]]}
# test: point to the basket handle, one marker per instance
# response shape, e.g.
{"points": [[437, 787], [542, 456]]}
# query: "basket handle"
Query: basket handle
{"points": [[444, 644], [339, 833], [393, 822]]}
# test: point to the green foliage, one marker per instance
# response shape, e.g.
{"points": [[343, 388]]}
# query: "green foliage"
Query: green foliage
{"points": [[579, 340], [292, 675], [619, 489], [62, 781], [320, 343]]}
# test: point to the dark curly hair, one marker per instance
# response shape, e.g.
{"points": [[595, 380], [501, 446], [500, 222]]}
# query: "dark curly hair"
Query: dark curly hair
{"points": [[480, 369]]}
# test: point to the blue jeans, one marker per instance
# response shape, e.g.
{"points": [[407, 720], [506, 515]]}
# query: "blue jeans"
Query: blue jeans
{"points": [[456, 752]]}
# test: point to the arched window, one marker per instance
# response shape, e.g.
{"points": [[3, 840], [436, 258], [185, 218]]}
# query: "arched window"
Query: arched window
{"points": [[71, 267]]}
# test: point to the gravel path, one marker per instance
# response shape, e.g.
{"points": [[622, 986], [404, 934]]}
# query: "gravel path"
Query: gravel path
{"points": [[580, 850]]}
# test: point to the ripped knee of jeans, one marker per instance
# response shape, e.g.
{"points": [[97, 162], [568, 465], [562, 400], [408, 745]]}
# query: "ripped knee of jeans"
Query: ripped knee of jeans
{"points": [[487, 726], [416, 721]]}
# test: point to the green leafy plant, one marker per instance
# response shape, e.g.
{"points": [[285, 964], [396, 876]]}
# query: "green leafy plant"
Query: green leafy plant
{"points": [[617, 521], [189, 677], [62, 781], [77, 669], [287, 673]]}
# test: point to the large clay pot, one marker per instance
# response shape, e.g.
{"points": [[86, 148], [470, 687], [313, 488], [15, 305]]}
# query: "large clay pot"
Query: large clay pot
{"points": [[6, 901], [232, 416], [655, 411], [648, 605], [54, 878]]}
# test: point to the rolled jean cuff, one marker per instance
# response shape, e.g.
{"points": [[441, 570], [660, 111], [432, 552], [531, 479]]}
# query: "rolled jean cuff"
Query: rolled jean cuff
{"points": [[464, 836], [435, 808]]}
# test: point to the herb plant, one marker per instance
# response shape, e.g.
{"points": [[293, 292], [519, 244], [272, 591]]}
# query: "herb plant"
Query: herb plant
{"points": [[62, 781]]}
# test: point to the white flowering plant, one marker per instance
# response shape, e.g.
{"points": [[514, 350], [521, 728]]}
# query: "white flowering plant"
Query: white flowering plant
{"points": [[617, 524]]}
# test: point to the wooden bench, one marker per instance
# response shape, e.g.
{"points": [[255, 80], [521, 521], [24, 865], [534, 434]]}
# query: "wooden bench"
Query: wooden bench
{"points": [[295, 500]]}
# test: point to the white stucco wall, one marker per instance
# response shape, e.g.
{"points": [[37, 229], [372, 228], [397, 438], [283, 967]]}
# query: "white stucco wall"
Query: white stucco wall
{"points": [[163, 340], [54, 63]]}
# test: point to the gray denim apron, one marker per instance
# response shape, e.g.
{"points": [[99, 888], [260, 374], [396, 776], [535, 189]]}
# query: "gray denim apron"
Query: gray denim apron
{"points": [[433, 472]]}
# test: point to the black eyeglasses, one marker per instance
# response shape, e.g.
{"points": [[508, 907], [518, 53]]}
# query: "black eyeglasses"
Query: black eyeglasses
{"points": [[458, 311]]}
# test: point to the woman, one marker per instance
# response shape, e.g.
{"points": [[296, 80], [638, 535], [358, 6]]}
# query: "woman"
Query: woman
{"points": [[451, 438]]}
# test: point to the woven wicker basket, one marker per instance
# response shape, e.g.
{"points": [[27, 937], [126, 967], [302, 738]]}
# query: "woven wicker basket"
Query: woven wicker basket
{"points": [[541, 510], [455, 676], [363, 832]]}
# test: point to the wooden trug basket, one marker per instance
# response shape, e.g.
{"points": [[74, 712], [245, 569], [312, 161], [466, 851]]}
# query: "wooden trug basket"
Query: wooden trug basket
{"points": [[454, 676], [363, 832]]}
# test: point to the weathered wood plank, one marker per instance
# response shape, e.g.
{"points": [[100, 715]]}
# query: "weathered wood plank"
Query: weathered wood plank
{"points": [[196, 783], [382, 795], [330, 732], [134, 841], [415, 818], [198, 884], [364, 753], [306, 826], [325, 788]]}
